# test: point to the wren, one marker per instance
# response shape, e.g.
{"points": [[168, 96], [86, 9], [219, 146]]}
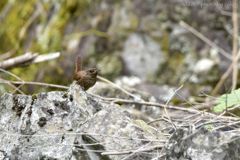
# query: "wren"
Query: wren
{"points": [[85, 78]]}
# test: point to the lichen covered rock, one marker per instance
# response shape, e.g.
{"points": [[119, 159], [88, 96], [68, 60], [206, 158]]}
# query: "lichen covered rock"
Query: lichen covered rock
{"points": [[63, 125]]}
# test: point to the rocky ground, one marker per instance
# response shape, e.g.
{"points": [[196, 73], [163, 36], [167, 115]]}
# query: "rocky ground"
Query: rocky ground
{"points": [[73, 125]]}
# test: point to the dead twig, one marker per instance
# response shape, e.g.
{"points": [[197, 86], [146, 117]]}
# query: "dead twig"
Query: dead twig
{"points": [[107, 81], [190, 110], [27, 59], [29, 22], [34, 83], [9, 83], [44, 57], [225, 75], [14, 62], [206, 40], [16, 88], [165, 106], [235, 45]]}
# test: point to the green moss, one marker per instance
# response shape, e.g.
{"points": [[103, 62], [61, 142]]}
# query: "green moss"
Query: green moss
{"points": [[34, 96], [43, 119], [209, 126], [176, 61], [26, 73], [13, 23], [110, 66], [162, 16], [91, 51], [50, 33], [46, 158], [64, 95], [134, 21], [164, 42], [2, 4], [119, 103]]}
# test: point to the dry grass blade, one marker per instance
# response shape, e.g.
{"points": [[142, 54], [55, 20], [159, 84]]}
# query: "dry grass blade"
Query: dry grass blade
{"points": [[9, 83], [35, 83], [235, 45], [225, 75], [107, 81]]}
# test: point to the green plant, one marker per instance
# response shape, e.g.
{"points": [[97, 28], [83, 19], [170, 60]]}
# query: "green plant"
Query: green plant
{"points": [[228, 100], [209, 126]]}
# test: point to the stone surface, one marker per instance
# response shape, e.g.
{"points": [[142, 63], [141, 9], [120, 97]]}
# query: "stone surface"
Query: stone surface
{"points": [[203, 144], [63, 125], [73, 125], [107, 90], [141, 55], [62, 112]]}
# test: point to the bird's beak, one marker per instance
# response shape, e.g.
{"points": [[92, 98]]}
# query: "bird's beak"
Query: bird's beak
{"points": [[98, 70]]}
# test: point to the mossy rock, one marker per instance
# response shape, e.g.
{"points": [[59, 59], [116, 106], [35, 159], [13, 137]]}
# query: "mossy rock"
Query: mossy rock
{"points": [[111, 66]]}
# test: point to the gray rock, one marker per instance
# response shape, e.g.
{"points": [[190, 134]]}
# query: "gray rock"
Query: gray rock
{"points": [[63, 125], [203, 144], [141, 55], [203, 66], [72, 125], [147, 113], [45, 117]]}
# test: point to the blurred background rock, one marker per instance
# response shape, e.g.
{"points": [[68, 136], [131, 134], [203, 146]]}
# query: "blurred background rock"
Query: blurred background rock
{"points": [[135, 43]]}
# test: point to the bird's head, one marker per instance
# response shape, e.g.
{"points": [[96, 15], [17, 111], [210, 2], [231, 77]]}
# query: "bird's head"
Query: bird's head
{"points": [[92, 72]]}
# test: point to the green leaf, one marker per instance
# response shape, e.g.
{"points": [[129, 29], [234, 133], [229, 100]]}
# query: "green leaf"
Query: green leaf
{"points": [[209, 126], [228, 100]]}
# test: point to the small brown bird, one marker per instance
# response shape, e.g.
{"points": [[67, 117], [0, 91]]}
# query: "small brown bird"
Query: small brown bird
{"points": [[86, 78]]}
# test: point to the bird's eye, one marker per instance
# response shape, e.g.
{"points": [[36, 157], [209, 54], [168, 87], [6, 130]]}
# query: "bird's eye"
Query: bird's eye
{"points": [[91, 71]]}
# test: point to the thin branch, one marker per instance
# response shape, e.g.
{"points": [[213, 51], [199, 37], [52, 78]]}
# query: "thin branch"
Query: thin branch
{"points": [[44, 57], [29, 22], [235, 45], [190, 110], [11, 74], [205, 39], [27, 59], [16, 89], [13, 62], [138, 150], [107, 81], [165, 106], [223, 12], [35, 83], [225, 75], [229, 124], [39, 10]]}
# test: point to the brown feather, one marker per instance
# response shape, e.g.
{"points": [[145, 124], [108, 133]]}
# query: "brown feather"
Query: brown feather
{"points": [[86, 78], [78, 64]]}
